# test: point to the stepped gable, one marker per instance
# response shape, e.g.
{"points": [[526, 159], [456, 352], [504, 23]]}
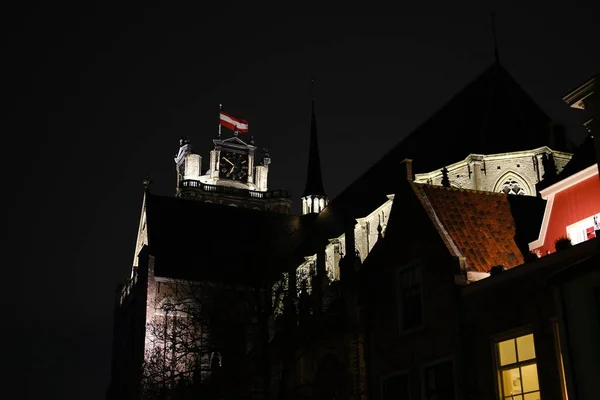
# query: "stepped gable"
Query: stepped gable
{"points": [[488, 229], [492, 114], [197, 240]]}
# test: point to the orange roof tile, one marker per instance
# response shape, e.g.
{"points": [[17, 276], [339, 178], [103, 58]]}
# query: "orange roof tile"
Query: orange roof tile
{"points": [[474, 224]]}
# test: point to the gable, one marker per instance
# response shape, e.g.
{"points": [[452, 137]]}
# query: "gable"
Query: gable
{"points": [[570, 201], [142, 235], [491, 115]]}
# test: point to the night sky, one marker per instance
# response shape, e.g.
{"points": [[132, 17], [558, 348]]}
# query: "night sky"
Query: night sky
{"points": [[99, 98]]}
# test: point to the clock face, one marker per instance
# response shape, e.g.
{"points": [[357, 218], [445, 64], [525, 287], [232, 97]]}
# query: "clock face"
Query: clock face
{"points": [[233, 166]]}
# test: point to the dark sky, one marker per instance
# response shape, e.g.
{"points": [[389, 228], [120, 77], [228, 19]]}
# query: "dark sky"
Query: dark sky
{"points": [[100, 96]]}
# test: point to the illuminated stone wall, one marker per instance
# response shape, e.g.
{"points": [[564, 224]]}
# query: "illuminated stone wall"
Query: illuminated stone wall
{"points": [[490, 172]]}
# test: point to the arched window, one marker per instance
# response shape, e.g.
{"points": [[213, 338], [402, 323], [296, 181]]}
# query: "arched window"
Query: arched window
{"points": [[511, 183], [511, 186]]}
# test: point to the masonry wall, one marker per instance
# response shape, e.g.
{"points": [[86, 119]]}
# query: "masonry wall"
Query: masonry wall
{"points": [[128, 338], [582, 315], [489, 172], [411, 237], [514, 300]]}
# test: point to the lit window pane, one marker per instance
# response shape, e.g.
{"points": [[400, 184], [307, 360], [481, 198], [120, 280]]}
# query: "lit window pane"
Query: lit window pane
{"points": [[507, 352], [532, 396], [511, 382], [525, 347], [530, 378], [518, 397]]}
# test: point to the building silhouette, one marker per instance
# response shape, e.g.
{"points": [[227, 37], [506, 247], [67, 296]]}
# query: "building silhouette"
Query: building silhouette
{"points": [[400, 287]]}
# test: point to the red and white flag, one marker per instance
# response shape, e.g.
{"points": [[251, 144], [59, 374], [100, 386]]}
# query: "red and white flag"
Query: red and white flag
{"points": [[235, 124]]}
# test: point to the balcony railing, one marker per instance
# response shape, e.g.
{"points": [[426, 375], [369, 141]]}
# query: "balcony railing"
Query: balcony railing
{"points": [[254, 194]]}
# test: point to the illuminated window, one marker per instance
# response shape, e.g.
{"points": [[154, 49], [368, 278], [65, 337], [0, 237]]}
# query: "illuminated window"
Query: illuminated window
{"points": [[517, 369], [409, 297], [584, 230], [395, 387], [438, 381]]}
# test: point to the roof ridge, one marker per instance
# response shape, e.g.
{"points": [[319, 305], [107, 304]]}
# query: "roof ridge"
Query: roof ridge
{"points": [[487, 192], [199, 203], [422, 124]]}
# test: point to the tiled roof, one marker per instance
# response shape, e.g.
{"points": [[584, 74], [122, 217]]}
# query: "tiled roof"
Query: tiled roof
{"points": [[480, 226]]}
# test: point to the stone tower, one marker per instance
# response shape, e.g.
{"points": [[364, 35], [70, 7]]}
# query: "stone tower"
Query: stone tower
{"points": [[232, 177]]}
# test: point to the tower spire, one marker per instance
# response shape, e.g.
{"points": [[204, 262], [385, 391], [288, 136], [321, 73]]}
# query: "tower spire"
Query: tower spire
{"points": [[496, 56], [314, 193]]}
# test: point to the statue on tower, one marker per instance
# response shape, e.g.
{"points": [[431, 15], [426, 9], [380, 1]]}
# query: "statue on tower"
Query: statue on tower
{"points": [[185, 148]]}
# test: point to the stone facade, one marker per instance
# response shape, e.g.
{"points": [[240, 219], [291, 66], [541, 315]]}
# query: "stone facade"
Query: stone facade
{"points": [[516, 172], [207, 185]]}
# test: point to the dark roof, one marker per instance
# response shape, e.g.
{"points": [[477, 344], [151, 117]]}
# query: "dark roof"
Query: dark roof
{"points": [[577, 269], [583, 157], [314, 179], [492, 114], [196, 240], [482, 226]]}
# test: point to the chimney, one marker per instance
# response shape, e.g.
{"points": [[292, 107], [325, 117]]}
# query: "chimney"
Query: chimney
{"points": [[407, 167]]}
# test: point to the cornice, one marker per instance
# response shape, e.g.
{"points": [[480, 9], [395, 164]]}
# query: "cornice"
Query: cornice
{"points": [[575, 99]]}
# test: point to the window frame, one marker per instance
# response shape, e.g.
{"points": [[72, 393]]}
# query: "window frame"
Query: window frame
{"points": [[560, 357], [578, 230], [405, 372], [513, 334], [418, 266], [425, 366]]}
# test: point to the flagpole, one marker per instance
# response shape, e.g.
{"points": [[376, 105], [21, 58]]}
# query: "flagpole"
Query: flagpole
{"points": [[220, 108]]}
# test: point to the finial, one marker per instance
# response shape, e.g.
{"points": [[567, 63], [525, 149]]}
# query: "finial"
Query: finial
{"points": [[147, 182], [252, 140], [312, 88], [445, 178], [219, 131], [496, 56], [266, 158]]}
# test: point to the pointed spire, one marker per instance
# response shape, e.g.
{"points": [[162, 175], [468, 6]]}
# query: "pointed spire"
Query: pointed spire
{"points": [[147, 183], [496, 56], [314, 180]]}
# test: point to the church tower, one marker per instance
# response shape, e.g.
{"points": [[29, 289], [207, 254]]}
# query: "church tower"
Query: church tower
{"points": [[233, 176], [314, 199]]}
